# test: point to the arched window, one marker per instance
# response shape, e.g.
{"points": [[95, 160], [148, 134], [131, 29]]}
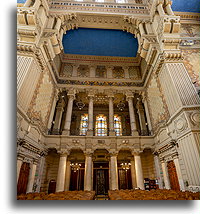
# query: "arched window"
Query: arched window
{"points": [[101, 125], [84, 124], [117, 125]]}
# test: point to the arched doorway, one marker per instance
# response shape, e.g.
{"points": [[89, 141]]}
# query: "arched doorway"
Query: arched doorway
{"points": [[23, 178], [101, 172]]}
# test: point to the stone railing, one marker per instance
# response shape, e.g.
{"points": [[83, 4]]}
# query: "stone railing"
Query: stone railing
{"points": [[97, 142], [138, 6], [76, 132]]}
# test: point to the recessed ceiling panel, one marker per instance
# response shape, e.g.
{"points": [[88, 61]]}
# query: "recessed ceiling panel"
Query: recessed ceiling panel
{"points": [[100, 42], [186, 6]]}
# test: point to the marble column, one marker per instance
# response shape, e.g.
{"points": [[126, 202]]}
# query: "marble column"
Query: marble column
{"points": [[144, 100], [169, 10], [90, 116], [114, 172], [141, 28], [141, 118], [126, 72], [111, 117], [179, 174], [158, 172], [110, 183], [138, 170], [109, 72], [160, 10], [58, 24], [92, 71], [88, 172], [68, 118], [165, 174], [134, 131], [31, 177], [60, 183], [75, 71], [67, 176], [53, 109], [40, 173], [19, 164], [133, 174], [58, 117]]}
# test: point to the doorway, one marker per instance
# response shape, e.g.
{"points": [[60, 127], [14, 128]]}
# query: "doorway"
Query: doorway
{"points": [[52, 186], [101, 178], [124, 179], [173, 176], [23, 178], [77, 179]]}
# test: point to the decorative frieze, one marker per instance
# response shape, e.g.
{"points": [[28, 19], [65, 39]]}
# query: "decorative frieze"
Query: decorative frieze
{"points": [[138, 8], [42, 100]]}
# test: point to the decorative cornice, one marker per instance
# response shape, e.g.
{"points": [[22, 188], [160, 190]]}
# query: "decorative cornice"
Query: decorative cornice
{"points": [[105, 60], [105, 7]]}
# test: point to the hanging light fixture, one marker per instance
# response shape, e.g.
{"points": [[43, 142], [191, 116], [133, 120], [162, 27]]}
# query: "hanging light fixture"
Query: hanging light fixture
{"points": [[125, 166], [80, 105], [75, 166], [121, 106]]}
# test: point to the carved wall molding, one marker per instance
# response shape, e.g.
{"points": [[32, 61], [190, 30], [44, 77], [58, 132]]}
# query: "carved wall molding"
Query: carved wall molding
{"points": [[138, 8]]}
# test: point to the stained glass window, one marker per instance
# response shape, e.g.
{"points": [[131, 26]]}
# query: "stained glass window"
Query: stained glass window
{"points": [[117, 125], [101, 125], [84, 124]]}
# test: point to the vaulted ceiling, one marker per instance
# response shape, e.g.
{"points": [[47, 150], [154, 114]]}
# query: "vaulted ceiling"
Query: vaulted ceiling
{"points": [[100, 42], [186, 5]]}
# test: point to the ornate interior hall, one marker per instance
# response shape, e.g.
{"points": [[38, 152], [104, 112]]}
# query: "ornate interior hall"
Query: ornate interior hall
{"points": [[107, 95]]}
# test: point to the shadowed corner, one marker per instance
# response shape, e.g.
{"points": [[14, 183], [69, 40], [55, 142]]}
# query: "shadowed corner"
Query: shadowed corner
{"points": [[12, 99]]}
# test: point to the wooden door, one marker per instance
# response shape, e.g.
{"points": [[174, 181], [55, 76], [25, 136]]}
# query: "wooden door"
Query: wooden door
{"points": [[52, 186], [125, 181], [173, 176], [23, 178], [101, 181], [77, 180]]}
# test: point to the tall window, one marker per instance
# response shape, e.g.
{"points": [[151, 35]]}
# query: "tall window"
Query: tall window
{"points": [[117, 125], [101, 125], [84, 124]]}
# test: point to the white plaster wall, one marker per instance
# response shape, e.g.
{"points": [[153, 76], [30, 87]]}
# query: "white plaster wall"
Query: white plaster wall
{"points": [[28, 85], [190, 155]]}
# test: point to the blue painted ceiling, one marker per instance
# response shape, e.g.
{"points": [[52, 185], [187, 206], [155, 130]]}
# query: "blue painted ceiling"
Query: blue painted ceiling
{"points": [[100, 42], [186, 5], [21, 1]]}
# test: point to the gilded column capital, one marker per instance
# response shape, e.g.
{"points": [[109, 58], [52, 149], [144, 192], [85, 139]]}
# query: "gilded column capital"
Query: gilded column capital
{"points": [[63, 152], [91, 93], [136, 152], [71, 93], [88, 153], [129, 94], [113, 153]]}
